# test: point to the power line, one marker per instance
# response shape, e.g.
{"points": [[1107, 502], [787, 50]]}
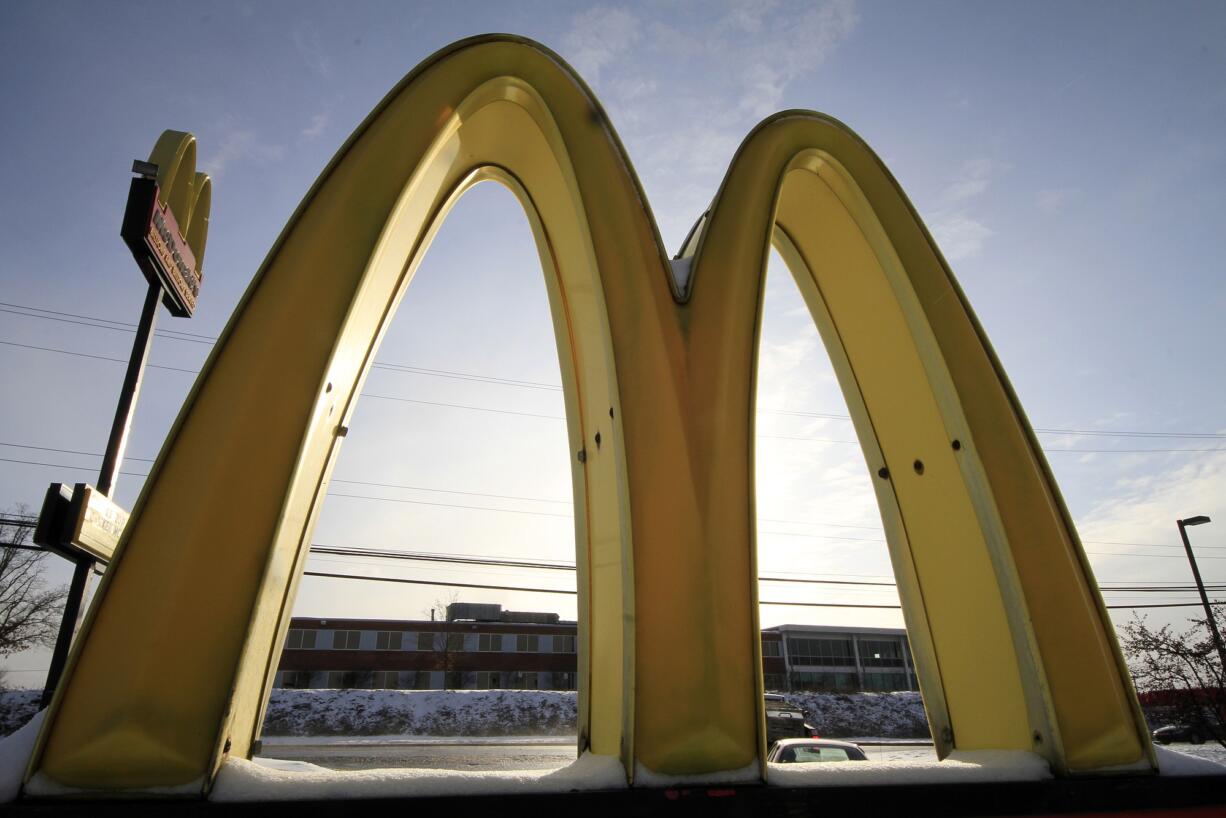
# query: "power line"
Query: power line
{"points": [[568, 516], [54, 315], [523, 562], [533, 590], [493, 410], [97, 357]]}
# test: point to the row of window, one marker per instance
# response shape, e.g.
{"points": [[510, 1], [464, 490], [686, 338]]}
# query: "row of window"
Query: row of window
{"points": [[836, 682], [426, 680], [436, 641], [842, 652]]}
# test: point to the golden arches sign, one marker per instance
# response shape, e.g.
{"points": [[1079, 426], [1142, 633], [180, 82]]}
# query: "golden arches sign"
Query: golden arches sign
{"points": [[1012, 643]]}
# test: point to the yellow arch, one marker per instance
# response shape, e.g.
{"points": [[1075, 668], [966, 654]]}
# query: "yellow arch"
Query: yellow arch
{"points": [[669, 667], [188, 194]]}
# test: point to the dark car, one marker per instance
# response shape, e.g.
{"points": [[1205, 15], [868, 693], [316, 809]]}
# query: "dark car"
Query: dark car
{"points": [[785, 720], [1179, 732], [806, 750]]}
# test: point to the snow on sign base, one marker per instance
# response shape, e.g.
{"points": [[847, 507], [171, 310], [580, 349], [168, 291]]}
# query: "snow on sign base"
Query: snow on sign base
{"points": [[241, 780]]}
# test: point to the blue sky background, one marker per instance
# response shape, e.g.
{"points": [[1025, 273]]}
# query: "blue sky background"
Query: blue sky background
{"points": [[1068, 158]]}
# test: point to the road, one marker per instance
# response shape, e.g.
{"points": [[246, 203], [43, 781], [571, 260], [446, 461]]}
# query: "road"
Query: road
{"points": [[537, 755], [468, 757]]}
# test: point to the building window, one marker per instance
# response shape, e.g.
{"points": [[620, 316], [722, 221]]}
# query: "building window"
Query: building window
{"points": [[295, 679], [389, 640], [881, 653], [564, 680], [772, 648], [527, 643], [299, 639], [773, 681], [346, 640], [425, 640], [822, 652], [419, 680], [528, 680], [350, 679], [489, 642], [386, 680], [830, 682], [564, 644], [885, 682], [489, 680], [456, 680]]}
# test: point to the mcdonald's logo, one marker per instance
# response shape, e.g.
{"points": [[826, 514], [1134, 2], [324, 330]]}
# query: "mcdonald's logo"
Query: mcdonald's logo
{"points": [[1012, 644], [166, 222]]}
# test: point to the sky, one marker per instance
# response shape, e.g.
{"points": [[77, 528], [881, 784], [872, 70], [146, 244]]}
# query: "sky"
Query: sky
{"points": [[1067, 157]]}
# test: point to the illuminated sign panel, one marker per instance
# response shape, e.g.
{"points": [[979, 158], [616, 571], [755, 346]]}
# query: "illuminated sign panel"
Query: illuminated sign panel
{"points": [[152, 232]]}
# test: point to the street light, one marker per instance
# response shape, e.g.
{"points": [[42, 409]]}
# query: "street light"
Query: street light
{"points": [[1200, 586]]}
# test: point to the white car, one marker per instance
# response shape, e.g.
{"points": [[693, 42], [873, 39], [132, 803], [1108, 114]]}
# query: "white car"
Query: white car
{"points": [[805, 750]]}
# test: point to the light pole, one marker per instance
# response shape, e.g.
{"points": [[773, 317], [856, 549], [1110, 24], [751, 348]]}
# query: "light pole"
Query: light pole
{"points": [[1200, 586]]}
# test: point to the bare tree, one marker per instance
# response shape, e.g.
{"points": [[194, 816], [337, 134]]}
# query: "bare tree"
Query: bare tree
{"points": [[445, 645], [29, 611], [1179, 673]]}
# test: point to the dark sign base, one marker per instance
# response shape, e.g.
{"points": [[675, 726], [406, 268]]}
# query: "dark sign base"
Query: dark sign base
{"points": [[1134, 797]]}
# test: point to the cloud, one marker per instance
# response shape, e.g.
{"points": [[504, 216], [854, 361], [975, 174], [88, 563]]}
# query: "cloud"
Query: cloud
{"points": [[597, 37], [238, 145], [797, 45], [972, 179], [1053, 200], [959, 236], [318, 123], [1143, 508], [682, 95], [307, 41]]}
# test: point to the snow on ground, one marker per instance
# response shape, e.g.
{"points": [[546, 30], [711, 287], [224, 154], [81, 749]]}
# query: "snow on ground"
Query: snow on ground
{"points": [[1173, 762], [507, 713], [840, 715], [241, 780], [420, 712], [15, 752], [16, 708]]}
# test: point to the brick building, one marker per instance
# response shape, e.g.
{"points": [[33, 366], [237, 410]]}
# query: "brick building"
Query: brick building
{"points": [[484, 647]]}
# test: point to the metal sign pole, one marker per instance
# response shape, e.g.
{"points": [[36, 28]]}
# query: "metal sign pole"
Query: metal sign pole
{"points": [[74, 604]]}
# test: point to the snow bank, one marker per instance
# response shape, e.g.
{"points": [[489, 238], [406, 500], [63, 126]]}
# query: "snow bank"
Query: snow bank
{"points": [[1171, 762], [15, 754], [959, 768], [420, 712], [241, 780], [508, 713], [844, 715], [16, 708]]}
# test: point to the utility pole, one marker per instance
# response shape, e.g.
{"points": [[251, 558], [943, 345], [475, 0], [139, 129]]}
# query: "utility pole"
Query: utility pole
{"points": [[1200, 586]]}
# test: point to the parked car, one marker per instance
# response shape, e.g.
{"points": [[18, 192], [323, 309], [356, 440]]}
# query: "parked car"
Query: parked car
{"points": [[785, 720], [1179, 732], [805, 750]]}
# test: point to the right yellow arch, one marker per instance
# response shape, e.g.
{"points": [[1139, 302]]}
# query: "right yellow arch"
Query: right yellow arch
{"points": [[1011, 642]]}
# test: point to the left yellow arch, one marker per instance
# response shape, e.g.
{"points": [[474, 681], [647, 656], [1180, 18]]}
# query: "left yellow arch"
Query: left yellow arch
{"points": [[178, 653], [188, 194]]}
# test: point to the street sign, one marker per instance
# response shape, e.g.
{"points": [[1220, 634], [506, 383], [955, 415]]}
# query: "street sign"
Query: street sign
{"points": [[80, 522], [96, 522], [151, 231]]}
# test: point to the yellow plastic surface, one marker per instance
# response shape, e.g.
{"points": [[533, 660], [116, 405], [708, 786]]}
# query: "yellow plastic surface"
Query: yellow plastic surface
{"points": [[1011, 642], [188, 194]]}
